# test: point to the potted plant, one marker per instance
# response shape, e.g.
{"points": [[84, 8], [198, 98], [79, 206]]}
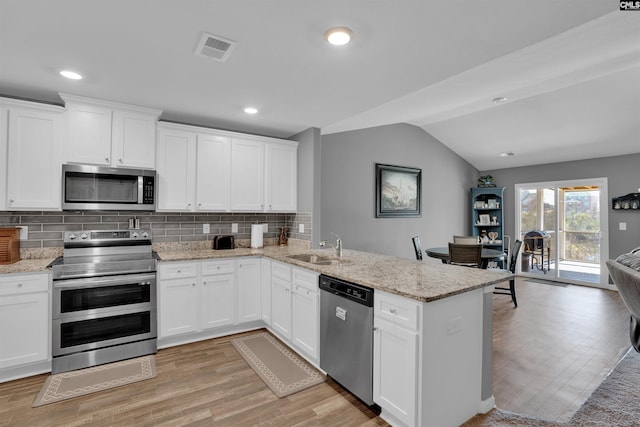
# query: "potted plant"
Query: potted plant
{"points": [[486, 181]]}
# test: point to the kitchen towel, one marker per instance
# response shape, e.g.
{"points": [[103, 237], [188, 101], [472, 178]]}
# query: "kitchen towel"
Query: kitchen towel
{"points": [[256, 235]]}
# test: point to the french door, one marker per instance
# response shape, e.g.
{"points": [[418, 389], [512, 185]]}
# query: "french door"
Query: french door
{"points": [[564, 225]]}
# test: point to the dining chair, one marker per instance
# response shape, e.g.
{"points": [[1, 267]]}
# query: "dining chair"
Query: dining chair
{"points": [[465, 254], [511, 290], [466, 240], [417, 247]]}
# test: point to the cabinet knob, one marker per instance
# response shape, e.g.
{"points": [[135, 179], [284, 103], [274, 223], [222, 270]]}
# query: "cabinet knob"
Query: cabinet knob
{"points": [[269, 205], [199, 205], [193, 284], [218, 267], [120, 161], [392, 310], [11, 200], [106, 159], [19, 285], [375, 328], [179, 271], [188, 204]]}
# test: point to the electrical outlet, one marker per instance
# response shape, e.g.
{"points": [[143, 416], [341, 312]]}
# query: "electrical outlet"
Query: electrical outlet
{"points": [[301, 228], [622, 226], [234, 227], [206, 229], [265, 227], [24, 232]]}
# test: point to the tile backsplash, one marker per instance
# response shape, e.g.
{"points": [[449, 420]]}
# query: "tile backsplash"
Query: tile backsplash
{"points": [[45, 229]]}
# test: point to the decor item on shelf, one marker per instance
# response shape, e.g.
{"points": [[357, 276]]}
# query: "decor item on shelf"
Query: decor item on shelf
{"points": [[282, 237], [630, 201], [398, 191], [493, 235], [483, 236], [486, 181], [484, 219], [494, 220]]}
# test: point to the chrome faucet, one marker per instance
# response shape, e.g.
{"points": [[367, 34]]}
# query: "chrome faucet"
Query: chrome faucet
{"points": [[337, 247]]}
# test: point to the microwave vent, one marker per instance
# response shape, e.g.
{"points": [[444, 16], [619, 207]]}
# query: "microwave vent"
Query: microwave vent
{"points": [[215, 47]]}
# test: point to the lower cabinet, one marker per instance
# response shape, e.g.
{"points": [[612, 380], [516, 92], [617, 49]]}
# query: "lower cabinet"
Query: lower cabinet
{"points": [[395, 357], [265, 284], [305, 313], [281, 307], [179, 302], [24, 319], [218, 294], [249, 289]]}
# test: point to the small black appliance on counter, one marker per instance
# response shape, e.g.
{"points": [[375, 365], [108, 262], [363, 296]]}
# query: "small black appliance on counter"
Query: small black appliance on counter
{"points": [[223, 242]]}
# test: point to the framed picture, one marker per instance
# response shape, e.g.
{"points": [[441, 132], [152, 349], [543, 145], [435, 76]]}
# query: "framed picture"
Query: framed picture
{"points": [[493, 203], [484, 219], [398, 191]]}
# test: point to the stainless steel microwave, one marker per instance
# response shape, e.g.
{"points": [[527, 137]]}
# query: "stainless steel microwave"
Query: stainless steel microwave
{"points": [[86, 187]]}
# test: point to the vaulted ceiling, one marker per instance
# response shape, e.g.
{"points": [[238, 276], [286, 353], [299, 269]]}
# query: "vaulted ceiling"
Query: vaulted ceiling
{"points": [[570, 70]]}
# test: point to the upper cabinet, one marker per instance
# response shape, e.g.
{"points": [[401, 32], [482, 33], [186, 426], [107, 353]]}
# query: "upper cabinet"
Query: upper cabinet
{"points": [[109, 134], [202, 169], [32, 136]]}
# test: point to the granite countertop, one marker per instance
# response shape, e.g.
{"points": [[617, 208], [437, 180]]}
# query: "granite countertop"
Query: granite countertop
{"points": [[26, 266], [420, 280]]}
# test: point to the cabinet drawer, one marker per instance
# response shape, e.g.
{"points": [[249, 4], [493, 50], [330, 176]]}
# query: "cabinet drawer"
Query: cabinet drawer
{"points": [[177, 270], [399, 310], [306, 279], [22, 284], [282, 271], [217, 267]]}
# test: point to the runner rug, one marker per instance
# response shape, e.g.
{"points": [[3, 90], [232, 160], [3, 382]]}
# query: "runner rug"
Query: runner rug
{"points": [[90, 380], [280, 368]]}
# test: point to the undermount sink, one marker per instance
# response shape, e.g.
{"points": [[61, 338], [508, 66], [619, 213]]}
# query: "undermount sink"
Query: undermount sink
{"points": [[316, 259]]}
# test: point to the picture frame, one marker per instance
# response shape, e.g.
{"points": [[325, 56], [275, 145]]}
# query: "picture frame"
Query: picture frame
{"points": [[484, 219], [493, 203], [398, 191]]}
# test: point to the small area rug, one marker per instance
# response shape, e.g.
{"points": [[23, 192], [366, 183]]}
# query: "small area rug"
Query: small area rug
{"points": [[279, 367], [84, 381]]}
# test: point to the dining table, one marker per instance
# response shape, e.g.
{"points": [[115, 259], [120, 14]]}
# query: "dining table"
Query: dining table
{"points": [[488, 255]]}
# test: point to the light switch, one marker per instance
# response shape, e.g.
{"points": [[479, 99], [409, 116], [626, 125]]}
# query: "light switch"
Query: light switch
{"points": [[206, 229], [265, 227], [622, 226], [300, 228], [234, 227]]}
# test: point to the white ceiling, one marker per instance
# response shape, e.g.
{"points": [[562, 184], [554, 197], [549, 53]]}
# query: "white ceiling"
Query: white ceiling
{"points": [[570, 68]]}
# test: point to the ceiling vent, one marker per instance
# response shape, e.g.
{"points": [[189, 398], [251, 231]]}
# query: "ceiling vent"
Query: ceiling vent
{"points": [[215, 47]]}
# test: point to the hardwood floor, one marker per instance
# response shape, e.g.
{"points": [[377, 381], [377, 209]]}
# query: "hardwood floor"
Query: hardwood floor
{"points": [[556, 348], [549, 354], [200, 384]]}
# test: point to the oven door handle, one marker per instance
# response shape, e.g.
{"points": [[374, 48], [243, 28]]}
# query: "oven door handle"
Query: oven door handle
{"points": [[93, 282]]}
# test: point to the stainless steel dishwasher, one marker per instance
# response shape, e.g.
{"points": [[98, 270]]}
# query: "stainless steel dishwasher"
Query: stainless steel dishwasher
{"points": [[346, 335]]}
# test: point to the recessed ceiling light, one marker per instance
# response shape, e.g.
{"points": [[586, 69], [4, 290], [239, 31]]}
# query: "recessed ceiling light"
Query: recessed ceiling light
{"points": [[500, 99], [338, 36], [251, 110], [506, 154], [70, 75]]}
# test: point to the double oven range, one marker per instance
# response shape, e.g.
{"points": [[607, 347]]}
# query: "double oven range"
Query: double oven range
{"points": [[104, 299]]}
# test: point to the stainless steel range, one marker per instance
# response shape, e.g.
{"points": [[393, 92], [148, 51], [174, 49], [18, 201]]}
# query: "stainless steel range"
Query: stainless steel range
{"points": [[104, 299]]}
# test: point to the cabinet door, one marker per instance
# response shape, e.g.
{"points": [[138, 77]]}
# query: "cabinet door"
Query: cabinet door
{"points": [[133, 143], [178, 306], [266, 290], [249, 299], [176, 170], [88, 138], [305, 320], [217, 301], [281, 307], [33, 172], [247, 175], [395, 379], [213, 173], [24, 329], [281, 188]]}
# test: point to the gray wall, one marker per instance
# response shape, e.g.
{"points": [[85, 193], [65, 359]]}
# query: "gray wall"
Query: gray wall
{"points": [[348, 189], [622, 172], [309, 178]]}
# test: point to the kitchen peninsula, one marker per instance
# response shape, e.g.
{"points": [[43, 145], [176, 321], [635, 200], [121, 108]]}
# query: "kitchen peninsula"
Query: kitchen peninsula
{"points": [[432, 327]]}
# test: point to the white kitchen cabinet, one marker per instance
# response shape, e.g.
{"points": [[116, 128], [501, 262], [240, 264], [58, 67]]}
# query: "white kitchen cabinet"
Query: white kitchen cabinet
{"points": [[24, 319], [281, 299], [34, 141], [193, 170], [249, 289], [247, 175], [217, 295], [4, 134], [109, 134], [265, 284], [179, 298], [213, 155], [176, 169], [281, 177], [305, 312]]}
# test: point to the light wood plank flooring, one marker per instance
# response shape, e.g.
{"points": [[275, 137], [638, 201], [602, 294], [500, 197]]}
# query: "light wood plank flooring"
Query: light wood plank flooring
{"points": [[552, 351], [549, 354]]}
